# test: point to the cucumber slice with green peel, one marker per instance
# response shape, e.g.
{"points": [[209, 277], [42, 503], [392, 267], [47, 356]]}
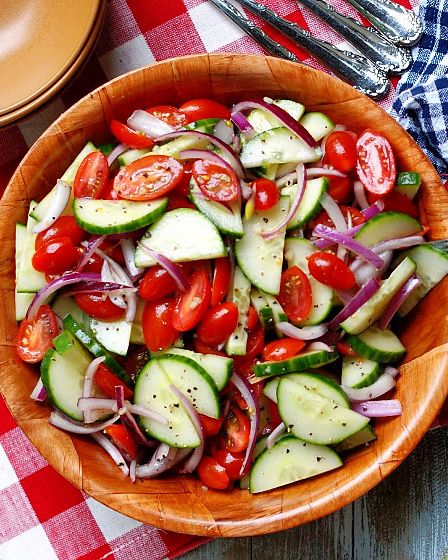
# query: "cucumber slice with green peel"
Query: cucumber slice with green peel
{"points": [[266, 171], [181, 235], [152, 389], [293, 108], [387, 225], [104, 217], [317, 124], [113, 335], [64, 306], [290, 460], [358, 372], [95, 348], [277, 311], [204, 125], [22, 301], [260, 259], [408, 183], [310, 204], [136, 336], [372, 310], [174, 147], [128, 157], [63, 371], [261, 120], [219, 368], [313, 418], [265, 312], [278, 145], [363, 437], [432, 267], [70, 173], [297, 250], [379, 345], [106, 148], [270, 389], [259, 447], [301, 362], [28, 280], [226, 220], [237, 342], [285, 169]]}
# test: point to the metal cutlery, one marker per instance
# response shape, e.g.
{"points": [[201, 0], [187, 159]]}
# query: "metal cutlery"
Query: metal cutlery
{"points": [[383, 53], [355, 69], [400, 25]]}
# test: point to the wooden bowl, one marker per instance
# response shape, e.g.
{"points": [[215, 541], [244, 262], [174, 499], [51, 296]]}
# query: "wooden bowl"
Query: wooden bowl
{"points": [[180, 503]]}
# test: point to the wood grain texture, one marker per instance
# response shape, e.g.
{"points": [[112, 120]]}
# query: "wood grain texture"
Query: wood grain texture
{"points": [[180, 503]]}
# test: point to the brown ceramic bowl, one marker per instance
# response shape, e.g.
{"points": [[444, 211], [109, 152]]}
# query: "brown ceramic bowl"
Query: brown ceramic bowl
{"points": [[180, 503]]}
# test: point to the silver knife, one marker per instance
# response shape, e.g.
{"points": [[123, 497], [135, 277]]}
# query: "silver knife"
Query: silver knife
{"points": [[383, 53], [400, 25], [357, 70]]}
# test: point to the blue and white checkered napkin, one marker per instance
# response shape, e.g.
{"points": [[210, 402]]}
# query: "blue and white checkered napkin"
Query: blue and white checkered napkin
{"points": [[421, 106]]}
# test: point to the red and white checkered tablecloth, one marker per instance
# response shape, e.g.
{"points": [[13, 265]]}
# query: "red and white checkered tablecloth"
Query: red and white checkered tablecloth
{"points": [[42, 516]]}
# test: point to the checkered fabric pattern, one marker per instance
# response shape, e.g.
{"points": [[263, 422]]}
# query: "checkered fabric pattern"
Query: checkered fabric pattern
{"points": [[43, 517]]}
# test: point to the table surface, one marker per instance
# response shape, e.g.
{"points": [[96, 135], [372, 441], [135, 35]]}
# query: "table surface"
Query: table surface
{"points": [[404, 518]]}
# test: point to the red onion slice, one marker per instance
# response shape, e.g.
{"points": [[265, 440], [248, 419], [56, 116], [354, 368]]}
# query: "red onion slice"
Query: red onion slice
{"points": [[400, 243], [39, 393], [407, 288], [285, 118], [148, 124], [379, 409], [301, 182], [224, 131], [230, 153], [360, 195], [141, 410], [128, 250], [241, 122], [319, 346], [381, 386], [106, 277], [173, 269], [57, 206], [304, 333], [334, 212], [127, 418], [254, 413], [288, 180], [64, 423], [87, 389], [205, 154], [94, 243], [373, 210], [117, 151], [359, 299], [323, 171], [132, 469], [154, 468], [366, 271], [275, 434], [112, 451]]}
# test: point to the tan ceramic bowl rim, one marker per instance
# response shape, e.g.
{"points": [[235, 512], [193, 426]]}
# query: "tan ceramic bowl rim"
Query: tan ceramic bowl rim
{"points": [[181, 504]]}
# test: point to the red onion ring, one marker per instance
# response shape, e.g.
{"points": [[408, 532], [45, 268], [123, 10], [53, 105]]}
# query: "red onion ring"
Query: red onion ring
{"points": [[382, 385], [87, 389], [379, 409], [117, 151], [148, 124], [334, 212], [304, 333], [154, 468], [241, 122], [59, 202], [112, 451], [224, 131], [359, 299], [326, 171], [94, 243], [360, 195], [64, 423], [275, 434], [407, 288], [39, 393]]}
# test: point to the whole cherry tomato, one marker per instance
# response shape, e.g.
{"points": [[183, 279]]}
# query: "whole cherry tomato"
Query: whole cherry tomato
{"points": [[55, 256], [266, 194], [131, 138], [197, 109], [64, 226], [122, 439], [282, 349], [157, 325], [210, 426], [99, 307], [220, 280], [232, 462], [212, 474], [218, 323], [340, 151]]}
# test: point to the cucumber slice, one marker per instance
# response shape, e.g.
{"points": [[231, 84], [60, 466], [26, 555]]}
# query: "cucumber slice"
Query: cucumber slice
{"points": [[106, 148], [432, 267], [236, 344], [219, 368], [137, 329], [277, 312], [64, 306], [363, 437], [293, 108], [262, 120], [259, 447], [317, 124], [116, 216], [152, 390], [28, 280], [63, 373], [267, 171], [358, 372], [270, 389], [278, 145], [130, 156], [22, 301], [204, 125], [95, 348], [313, 418], [261, 259], [290, 460], [301, 362], [310, 204], [265, 312], [408, 183], [174, 147], [370, 311], [70, 173], [387, 225], [379, 345], [227, 221], [113, 335], [181, 235], [297, 250]]}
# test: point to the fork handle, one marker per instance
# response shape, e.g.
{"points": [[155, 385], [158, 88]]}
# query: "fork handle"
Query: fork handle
{"points": [[357, 70], [382, 52]]}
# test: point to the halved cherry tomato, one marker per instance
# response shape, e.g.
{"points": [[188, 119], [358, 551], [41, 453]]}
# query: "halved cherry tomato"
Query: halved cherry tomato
{"points": [[282, 349], [232, 462], [148, 178], [157, 324], [395, 201], [122, 439], [109, 193], [255, 342], [197, 109], [252, 318], [376, 163], [340, 150], [340, 188], [237, 429], [156, 283], [91, 177], [183, 188], [130, 137], [136, 358], [220, 280], [345, 349], [218, 323], [55, 256], [36, 335], [356, 217], [266, 194], [329, 269], [210, 426], [106, 381], [179, 201], [215, 181], [169, 114], [212, 474], [295, 294], [99, 307], [243, 366], [203, 348], [65, 226], [192, 305]]}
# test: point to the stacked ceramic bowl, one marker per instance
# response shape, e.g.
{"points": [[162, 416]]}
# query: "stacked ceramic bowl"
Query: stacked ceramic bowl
{"points": [[43, 43]]}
